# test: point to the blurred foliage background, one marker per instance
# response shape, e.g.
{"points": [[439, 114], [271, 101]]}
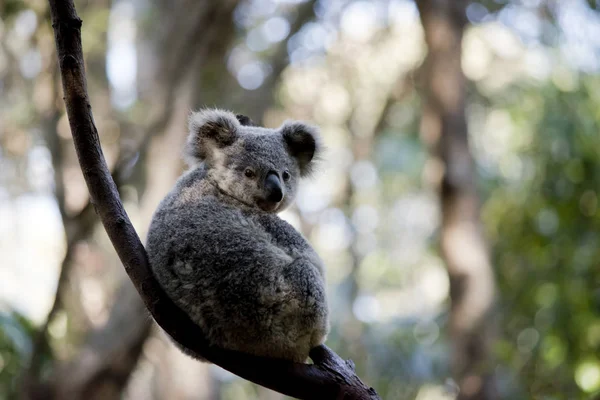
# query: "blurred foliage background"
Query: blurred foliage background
{"points": [[394, 211]]}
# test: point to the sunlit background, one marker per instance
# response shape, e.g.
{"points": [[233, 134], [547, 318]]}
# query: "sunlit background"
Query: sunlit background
{"points": [[71, 321]]}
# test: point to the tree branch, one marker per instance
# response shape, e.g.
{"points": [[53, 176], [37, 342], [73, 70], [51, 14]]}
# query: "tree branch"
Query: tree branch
{"points": [[330, 377]]}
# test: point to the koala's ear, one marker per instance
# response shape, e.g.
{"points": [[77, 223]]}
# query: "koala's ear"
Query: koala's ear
{"points": [[303, 143], [244, 120], [210, 128]]}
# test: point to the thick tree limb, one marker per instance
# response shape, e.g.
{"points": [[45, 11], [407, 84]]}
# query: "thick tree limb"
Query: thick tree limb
{"points": [[330, 377]]}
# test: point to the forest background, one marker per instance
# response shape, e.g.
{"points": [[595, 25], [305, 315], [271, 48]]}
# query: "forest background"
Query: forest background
{"points": [[456, 207]]}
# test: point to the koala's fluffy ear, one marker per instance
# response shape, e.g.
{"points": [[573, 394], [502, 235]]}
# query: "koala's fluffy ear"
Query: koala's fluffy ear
{"points": [[304, 144], [209, 128], [245, 120]]}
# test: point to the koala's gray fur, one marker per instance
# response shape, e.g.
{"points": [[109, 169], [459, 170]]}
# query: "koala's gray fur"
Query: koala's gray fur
{"points": [[246, 277]]}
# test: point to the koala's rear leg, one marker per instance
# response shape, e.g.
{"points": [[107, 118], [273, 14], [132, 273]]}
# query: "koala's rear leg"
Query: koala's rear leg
{"points": [[303, 321]]}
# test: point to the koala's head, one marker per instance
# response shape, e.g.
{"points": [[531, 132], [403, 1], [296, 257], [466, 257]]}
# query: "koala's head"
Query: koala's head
{"points": [[259, 167]]}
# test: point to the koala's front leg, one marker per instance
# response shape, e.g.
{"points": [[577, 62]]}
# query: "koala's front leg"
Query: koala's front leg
{"points": [[287, 238]]}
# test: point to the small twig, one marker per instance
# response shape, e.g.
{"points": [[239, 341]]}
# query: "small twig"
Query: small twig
{"points": [[330, 377]]}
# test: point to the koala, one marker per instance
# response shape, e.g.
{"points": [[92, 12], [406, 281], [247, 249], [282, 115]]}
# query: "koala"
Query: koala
{"points": [[247, 278]]}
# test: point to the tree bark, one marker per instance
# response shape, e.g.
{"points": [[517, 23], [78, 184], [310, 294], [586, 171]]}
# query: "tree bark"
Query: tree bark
{"points": [[463, 247], [329, 378]]}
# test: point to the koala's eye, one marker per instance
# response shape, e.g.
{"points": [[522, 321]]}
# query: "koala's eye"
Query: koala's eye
{"points": [[249, 173], [286, 175]]}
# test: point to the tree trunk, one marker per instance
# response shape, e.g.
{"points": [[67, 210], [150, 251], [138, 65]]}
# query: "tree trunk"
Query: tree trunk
{"points": [[109, 355], [463, 247]]}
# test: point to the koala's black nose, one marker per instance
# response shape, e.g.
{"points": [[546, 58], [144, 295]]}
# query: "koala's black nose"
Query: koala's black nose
{"points": [[273, 188]]}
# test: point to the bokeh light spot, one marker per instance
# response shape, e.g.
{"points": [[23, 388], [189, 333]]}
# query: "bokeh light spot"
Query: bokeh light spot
{"points": [[366, 308], [251, 76], [587, 376], [276, 29]]}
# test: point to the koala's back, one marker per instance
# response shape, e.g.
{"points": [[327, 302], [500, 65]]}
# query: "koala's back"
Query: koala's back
{"points": [[220, 266]]}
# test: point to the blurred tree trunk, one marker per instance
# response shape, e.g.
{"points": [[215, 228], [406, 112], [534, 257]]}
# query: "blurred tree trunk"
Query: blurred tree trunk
{"points": [[109, 354], [103, 365], [463, 247]]}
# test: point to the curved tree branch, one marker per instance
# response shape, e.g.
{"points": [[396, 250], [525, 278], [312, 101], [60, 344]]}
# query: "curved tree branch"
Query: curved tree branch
{"points": [[329, 378]]}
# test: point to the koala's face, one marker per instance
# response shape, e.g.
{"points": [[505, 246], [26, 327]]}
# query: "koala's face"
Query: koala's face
{"points": [[257, 170], [257, 166]]}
